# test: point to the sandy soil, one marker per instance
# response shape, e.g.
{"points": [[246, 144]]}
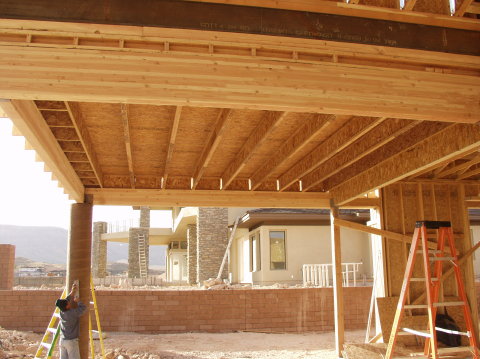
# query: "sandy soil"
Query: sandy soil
{"points": [[195, 345]]}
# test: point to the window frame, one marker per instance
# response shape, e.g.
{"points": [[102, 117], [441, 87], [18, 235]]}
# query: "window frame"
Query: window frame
{"points": [[284, 248]]}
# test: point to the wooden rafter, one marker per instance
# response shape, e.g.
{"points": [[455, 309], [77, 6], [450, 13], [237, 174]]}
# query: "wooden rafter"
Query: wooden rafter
{"points": [[84, 136], [462, 9], [171, 143], [458, 168], [255, 140], [474, 8], [349, 133], [409, 5], [126, 138], [455, 139], [293, 145], [400, 144], [213, 141], [28, 120], [378, 137], [470, 173]]}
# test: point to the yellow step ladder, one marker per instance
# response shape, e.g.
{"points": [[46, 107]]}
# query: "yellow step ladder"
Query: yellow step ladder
{"points": [[49, 340]]}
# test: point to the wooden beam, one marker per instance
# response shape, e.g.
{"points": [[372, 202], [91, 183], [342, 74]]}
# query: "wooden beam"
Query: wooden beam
{"points": [[457, 168], [474, 8], [309, 130], [409, 5], [171, 143], [352, 9], [172, 78], [448, 143], [470, 173], [210, 147], [349, 133], [462, 9], [339, 314], [208, 198], [379, 136], [29, 121], [126, 139], [400, 144], [82, 132], [254, 141]]}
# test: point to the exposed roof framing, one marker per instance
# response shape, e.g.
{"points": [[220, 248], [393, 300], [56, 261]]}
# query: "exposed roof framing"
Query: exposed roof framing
{"points": [[243, 115]]}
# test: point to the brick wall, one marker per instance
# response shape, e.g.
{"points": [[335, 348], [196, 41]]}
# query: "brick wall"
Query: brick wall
{"points": [[266, 310], [7, 265]]}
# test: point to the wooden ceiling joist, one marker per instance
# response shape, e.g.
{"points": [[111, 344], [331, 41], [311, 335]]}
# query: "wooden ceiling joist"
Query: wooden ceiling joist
{"points": [[376, 138], [309, 130], [349, 133], [456, 139], [214, 140], [126, 138], [82, 132], [171, 143], [28, 120], [255, 140]]}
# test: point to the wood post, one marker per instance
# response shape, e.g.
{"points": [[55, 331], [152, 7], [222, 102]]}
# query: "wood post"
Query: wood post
{"points": [[79, 262], [337, 282]]}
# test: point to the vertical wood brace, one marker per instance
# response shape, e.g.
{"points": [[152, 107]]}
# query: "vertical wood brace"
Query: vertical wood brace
{"points": [[337, 282]]}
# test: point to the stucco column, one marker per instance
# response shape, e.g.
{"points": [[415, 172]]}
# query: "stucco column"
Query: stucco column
{"points": [[79, 262], [192, 253], [99, 250], [212, 238]]}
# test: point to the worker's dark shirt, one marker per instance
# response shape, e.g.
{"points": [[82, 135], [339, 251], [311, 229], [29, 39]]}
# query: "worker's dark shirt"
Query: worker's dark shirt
{"points": [[69, 321]]}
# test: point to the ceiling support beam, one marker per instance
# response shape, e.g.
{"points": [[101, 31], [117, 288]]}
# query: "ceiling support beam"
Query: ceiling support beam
{"points": [[29, 121], [349, 133], [213, 141], [462, 9], [448, 143], [208, 198], [171, 144], [126, 138], [377, 138], [82, 132], [256, 139], [295, 143], [463, 166]]}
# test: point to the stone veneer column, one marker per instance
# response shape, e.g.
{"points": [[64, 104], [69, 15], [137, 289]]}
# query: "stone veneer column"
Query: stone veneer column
{"points": [[192, 253], [133, 264], [212, 233], [7, 266], [99, 250], [79, 256]]}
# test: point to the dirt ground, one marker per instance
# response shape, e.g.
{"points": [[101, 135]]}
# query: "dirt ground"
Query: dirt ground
{"points": [[240, 345]]}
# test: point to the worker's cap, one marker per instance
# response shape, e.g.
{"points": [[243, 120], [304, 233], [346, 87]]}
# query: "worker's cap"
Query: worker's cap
{"points": [[61, 304]]}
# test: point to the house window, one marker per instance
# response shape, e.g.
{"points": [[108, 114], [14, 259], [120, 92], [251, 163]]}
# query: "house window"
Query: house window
{"points": [[277, 250], [255, 261]]}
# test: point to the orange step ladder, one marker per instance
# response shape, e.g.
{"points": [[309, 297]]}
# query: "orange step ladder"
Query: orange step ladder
{"points": [[432, 289]]}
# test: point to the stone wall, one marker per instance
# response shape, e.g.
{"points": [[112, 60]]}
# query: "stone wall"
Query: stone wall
{"points": [[192, 253], [133, 263], [212, 233], [163, 311], [99, 250], [7, 265]]}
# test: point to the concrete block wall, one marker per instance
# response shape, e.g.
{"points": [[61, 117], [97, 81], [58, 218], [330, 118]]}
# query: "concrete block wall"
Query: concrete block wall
{"points": [[192, 253], [99, 250], [161, 311], [7, 265], [212, 233]]}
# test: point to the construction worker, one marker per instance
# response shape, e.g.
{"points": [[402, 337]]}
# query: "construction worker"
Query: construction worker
{"points": [[70, 311]]}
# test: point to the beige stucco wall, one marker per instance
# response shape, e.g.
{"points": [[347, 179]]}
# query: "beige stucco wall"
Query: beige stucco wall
{"points": [[304, 245]]}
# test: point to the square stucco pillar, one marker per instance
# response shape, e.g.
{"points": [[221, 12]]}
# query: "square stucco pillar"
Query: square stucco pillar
{"points": [[99, 250], [212, 238], [7, 266], [79, 262], [192, 253]]}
